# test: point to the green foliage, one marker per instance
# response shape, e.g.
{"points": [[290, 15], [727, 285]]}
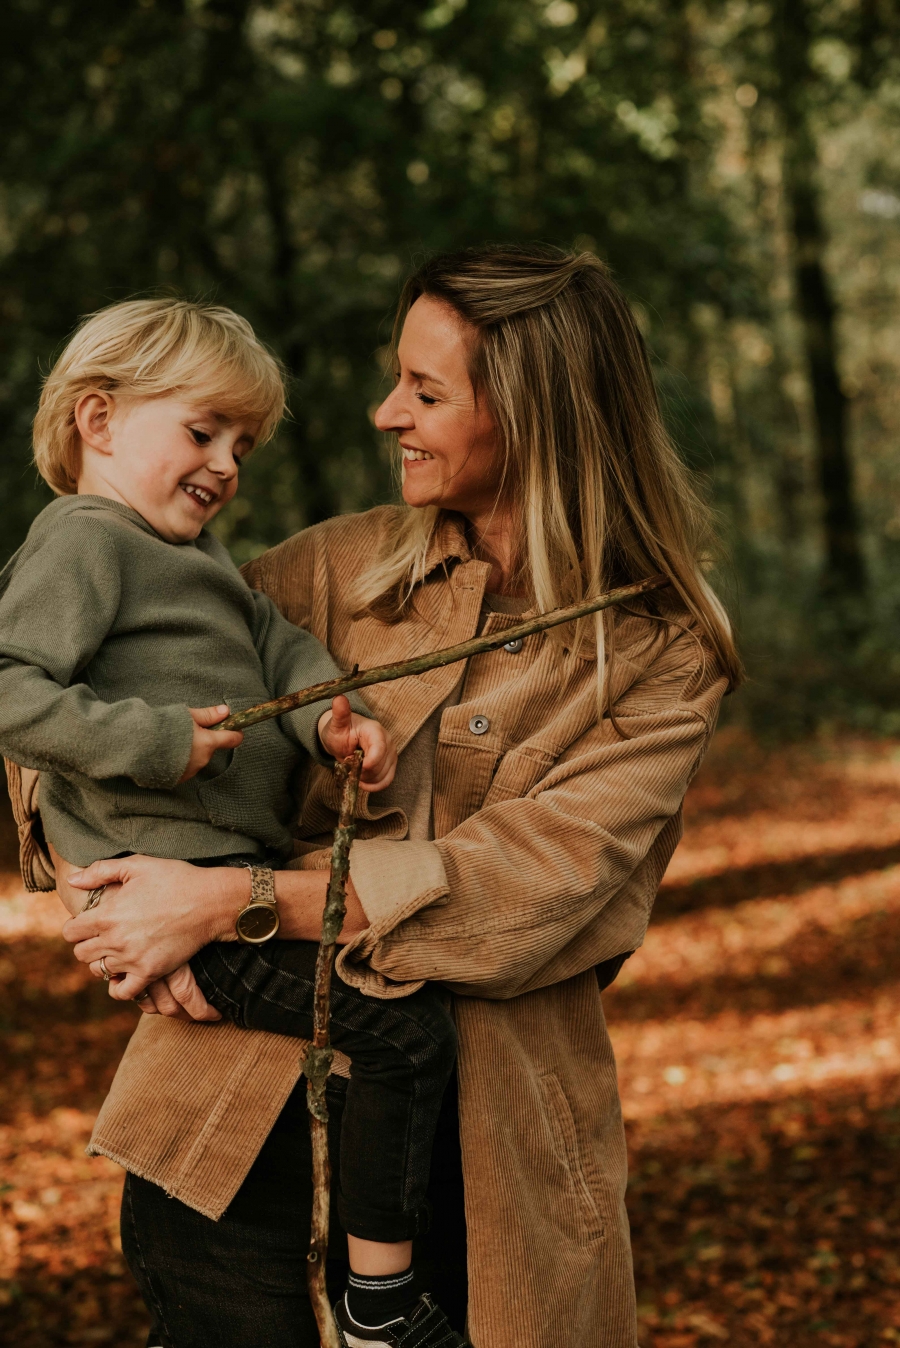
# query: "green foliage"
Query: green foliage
{"points": [[293, 159]]}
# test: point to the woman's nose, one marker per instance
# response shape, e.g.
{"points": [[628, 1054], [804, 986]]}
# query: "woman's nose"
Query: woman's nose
{"points": [[393, 414]]}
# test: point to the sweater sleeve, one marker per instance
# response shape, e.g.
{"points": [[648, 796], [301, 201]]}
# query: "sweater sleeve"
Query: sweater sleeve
{"points": [[58, 602], [292, 659]]}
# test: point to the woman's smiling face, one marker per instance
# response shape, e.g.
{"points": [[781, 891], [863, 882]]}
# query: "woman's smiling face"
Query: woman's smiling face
{"points": [[451, 451]]}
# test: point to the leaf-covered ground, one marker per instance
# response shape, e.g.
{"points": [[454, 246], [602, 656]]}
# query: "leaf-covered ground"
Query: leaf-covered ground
{"points": [[758, 1038]]}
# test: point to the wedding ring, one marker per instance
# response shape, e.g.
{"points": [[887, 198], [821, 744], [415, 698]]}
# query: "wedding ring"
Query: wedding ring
{"points": [[93, 898], [103, 969], [142, 996]]}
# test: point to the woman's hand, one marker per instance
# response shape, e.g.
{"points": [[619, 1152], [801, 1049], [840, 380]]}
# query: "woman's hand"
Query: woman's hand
{"points": [[178, 995], [72, 899], [159, 914], [342, 730], [156, 914]]}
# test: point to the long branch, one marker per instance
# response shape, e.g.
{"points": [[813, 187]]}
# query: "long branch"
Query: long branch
{"points": [[319, 692], [317, 1063]]}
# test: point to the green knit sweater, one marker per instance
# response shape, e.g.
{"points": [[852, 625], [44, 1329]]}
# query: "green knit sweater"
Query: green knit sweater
{"points": [[107, 635]]}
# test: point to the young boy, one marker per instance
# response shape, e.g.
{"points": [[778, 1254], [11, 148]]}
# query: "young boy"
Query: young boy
{"points": [[126, 633]]}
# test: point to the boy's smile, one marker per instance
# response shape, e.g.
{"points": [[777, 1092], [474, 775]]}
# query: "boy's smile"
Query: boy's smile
{"points": [[201, 494], [173, 461]]}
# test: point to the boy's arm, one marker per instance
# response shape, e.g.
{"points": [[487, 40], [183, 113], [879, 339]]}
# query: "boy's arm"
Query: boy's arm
{"points": [[58, 603], [292, 659]]}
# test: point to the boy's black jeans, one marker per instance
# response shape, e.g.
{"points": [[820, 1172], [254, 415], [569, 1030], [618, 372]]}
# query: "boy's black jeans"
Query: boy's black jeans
{"points": [[403, 1052]]}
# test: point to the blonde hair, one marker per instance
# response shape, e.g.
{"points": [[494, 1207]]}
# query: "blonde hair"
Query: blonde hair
{"points": [[603, 496], [149, 349]]}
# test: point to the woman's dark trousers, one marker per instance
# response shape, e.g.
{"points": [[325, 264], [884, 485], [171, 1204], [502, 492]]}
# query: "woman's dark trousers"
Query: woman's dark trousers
{"points": [[241, 1281]]}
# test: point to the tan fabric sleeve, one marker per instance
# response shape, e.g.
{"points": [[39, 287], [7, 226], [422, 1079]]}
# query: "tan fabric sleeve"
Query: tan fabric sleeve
{"points": [[544, 887], [34, 859], [393, 881]]}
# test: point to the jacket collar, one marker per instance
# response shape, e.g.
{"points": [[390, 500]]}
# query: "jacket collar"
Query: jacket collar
{"points": [[448, 542]]}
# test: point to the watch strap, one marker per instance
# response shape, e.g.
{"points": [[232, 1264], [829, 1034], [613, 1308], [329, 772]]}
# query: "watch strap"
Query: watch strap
{"points": [[262, 884]]}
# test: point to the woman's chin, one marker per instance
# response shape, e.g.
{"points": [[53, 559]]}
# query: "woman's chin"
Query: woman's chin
{"points": [[421, 494]]}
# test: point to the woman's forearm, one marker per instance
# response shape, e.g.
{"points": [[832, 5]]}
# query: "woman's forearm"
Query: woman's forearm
{"points": [[301, 899], [300, 896], [157, 914]]}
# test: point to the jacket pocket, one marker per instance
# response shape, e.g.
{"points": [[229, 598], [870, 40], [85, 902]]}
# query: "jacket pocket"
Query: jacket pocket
{"points": [[518, 772], [562, 1129]]}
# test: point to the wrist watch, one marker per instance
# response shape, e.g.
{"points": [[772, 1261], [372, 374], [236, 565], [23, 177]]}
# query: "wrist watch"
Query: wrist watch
{"points": [[259, 921]]}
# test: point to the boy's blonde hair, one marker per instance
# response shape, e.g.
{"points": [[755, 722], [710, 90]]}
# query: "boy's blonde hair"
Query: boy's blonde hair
{"points": [[149, 349]]}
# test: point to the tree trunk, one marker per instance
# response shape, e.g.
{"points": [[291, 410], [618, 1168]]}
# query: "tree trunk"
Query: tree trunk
{"points": [[844, 570]]}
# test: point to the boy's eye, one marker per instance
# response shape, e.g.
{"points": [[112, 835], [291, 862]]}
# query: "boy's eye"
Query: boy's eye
{"points": [[200, 437]]}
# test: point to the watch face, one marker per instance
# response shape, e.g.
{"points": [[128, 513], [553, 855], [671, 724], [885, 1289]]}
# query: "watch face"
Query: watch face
{"points": [[257, 923]]}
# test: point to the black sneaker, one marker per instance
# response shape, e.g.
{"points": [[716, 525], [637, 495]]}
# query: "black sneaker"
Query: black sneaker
{"points": [[427, 1327]]}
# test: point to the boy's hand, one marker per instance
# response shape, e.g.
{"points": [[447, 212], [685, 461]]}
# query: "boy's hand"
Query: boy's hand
{"points": [[341, 731], [206, 741]]}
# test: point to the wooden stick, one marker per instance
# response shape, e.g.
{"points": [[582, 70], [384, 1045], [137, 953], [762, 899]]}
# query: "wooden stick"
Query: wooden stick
{"points": [[317, 1064], [321, 692]]}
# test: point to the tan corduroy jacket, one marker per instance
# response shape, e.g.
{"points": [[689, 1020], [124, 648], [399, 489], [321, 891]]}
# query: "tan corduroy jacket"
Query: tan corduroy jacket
{"points": [[552, 833]]}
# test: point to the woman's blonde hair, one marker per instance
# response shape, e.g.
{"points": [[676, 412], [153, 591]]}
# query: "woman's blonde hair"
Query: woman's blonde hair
{"points": [[603, 496], [149, 349]]}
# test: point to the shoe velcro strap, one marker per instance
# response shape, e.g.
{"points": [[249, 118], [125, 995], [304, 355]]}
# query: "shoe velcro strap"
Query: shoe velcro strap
{"points": [[430, 1331]]}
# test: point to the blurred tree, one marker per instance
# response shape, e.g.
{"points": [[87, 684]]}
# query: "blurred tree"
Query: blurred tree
{"points": [[812, 59], [293, 158], [736, 164], [844, 572]]}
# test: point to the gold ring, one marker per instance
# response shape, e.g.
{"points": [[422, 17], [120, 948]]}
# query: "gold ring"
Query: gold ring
{"points": [[103, 969]]}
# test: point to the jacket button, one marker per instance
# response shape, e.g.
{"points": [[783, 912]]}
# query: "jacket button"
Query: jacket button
{"points": [[479, 724], [514, 646]]}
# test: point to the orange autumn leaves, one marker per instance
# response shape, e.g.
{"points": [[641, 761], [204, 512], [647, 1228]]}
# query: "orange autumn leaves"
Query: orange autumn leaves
{"points": [[758, 1040]]}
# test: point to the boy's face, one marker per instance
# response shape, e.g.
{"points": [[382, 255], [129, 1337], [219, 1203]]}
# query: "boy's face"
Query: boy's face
{"points": [[173, 461]]}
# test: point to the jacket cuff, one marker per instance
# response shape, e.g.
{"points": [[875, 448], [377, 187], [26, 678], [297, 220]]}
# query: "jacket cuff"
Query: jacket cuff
{"points": [[393, 879]]}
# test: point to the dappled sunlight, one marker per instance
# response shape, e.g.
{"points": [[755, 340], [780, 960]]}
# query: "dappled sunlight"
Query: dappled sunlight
{"points": [[757, 1034], [758, 1039], [752, 806], [733, 1058]]}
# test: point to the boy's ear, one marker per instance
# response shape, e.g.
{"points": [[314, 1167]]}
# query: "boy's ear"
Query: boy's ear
{"points": [[93, 413]]}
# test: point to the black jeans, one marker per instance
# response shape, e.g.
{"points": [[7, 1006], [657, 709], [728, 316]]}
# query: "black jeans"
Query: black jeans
{"points": [[403, 1050], [242, 1280]]}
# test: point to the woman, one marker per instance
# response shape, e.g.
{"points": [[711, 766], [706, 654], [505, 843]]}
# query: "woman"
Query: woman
{"points": [[515, 859]]}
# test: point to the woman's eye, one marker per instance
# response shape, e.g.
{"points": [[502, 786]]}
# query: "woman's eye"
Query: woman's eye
{"points": [[424, 398], [200, 437]]}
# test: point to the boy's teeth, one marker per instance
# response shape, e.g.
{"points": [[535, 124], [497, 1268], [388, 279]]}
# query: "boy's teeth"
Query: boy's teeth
{"points": [[206, 497]]}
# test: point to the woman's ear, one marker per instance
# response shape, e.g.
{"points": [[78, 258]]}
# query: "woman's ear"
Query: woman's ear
{"points": [[93, 414]]}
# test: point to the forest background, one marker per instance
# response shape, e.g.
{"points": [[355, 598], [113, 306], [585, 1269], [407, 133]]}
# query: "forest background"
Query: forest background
{"points": [[737, 164]]}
